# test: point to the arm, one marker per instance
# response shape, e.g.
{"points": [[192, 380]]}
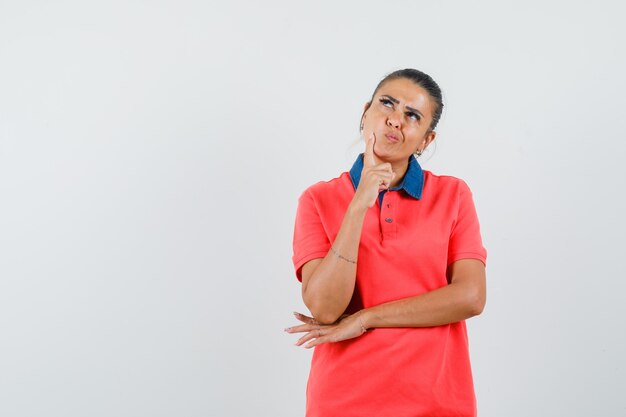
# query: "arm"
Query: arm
{"points": [[328, 283], [463, 298]]}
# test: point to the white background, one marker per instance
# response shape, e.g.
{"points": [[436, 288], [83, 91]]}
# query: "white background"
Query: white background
{"points": [[152, 154]]}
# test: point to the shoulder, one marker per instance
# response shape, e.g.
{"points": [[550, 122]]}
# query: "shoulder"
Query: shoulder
{"points": [[444, 183], [328, 198], [326, 188]]}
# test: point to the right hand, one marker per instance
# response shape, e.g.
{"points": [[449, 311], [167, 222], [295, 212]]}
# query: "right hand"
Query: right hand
{"points": [[374, 178]]}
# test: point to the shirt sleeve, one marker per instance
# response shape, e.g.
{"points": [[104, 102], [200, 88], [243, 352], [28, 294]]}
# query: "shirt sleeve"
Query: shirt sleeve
{"points": [[310, 240], [465, 240]]}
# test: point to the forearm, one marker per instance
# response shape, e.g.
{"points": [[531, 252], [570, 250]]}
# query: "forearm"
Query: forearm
{"points": [[449, 304], [331, 285]]}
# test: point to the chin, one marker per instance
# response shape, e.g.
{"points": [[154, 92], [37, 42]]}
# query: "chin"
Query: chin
{"points": [[391, 156]]}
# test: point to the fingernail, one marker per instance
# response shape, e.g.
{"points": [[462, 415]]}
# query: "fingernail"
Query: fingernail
{"points": [[287, 329]]}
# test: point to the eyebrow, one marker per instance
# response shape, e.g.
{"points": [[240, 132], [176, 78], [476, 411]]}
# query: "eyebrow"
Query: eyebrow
{"points": [[396, 101]]}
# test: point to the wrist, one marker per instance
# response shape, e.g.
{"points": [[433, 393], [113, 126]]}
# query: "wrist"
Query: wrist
{"points": [[356, 209], [364, 317]]}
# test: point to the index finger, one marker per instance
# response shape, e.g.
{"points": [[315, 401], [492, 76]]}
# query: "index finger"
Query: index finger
{"points": [[368, 156]]}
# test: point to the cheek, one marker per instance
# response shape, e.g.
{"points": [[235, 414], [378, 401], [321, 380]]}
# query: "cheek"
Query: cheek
{"points": [[415, 138], [375, 116], [415, 131]]}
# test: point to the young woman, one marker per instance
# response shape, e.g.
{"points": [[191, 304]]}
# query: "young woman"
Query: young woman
{"points": [[392, 264]]}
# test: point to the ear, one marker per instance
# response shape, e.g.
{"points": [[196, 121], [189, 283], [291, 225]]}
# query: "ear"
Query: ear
{"points": [[428, 138], [367, 106]]}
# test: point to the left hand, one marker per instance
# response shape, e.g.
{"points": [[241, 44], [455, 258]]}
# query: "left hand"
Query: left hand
{"points": [[346, 327]]}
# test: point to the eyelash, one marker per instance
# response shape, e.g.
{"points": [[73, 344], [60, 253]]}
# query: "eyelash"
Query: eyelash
{"points": [[386, 101]]}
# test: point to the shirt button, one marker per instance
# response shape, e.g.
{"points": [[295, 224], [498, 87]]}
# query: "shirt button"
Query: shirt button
{"points": [[388, 220]]}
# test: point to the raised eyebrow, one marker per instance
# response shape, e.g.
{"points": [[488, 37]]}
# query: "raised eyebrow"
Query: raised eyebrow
{"points": [[415, 111], [396, 101]]}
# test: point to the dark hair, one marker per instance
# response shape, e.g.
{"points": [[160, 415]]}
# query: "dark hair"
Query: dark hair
{"points": [[423, 80]]}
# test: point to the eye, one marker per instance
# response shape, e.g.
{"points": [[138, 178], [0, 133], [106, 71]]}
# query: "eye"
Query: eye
{"points": [[386, 102], [413, 116]]}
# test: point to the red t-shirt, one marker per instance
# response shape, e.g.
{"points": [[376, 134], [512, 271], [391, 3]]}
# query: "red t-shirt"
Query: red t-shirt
{"points": [[406, 246]]}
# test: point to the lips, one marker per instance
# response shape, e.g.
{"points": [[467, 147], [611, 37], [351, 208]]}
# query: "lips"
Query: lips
{"points": [[392, 138]]}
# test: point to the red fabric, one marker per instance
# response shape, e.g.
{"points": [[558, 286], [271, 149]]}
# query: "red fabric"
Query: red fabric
{"points": [[393, 371]]}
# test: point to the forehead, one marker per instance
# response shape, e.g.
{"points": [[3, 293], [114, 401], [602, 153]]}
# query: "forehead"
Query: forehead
{"points": [[408, 93]]}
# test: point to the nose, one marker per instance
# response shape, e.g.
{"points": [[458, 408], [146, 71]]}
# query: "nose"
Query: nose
{"points": [[394, 121]]}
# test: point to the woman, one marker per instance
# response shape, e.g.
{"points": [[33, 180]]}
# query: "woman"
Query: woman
{"points": [[392, 264]]}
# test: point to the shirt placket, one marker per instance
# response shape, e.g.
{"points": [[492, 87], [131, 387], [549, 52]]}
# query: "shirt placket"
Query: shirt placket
{"points": [[388, 224]]}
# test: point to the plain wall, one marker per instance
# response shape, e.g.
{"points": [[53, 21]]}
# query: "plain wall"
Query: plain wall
{"points": [[152, 154]]}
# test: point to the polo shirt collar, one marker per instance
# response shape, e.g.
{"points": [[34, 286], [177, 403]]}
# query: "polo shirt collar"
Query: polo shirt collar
{"points": [[412, 183]]}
